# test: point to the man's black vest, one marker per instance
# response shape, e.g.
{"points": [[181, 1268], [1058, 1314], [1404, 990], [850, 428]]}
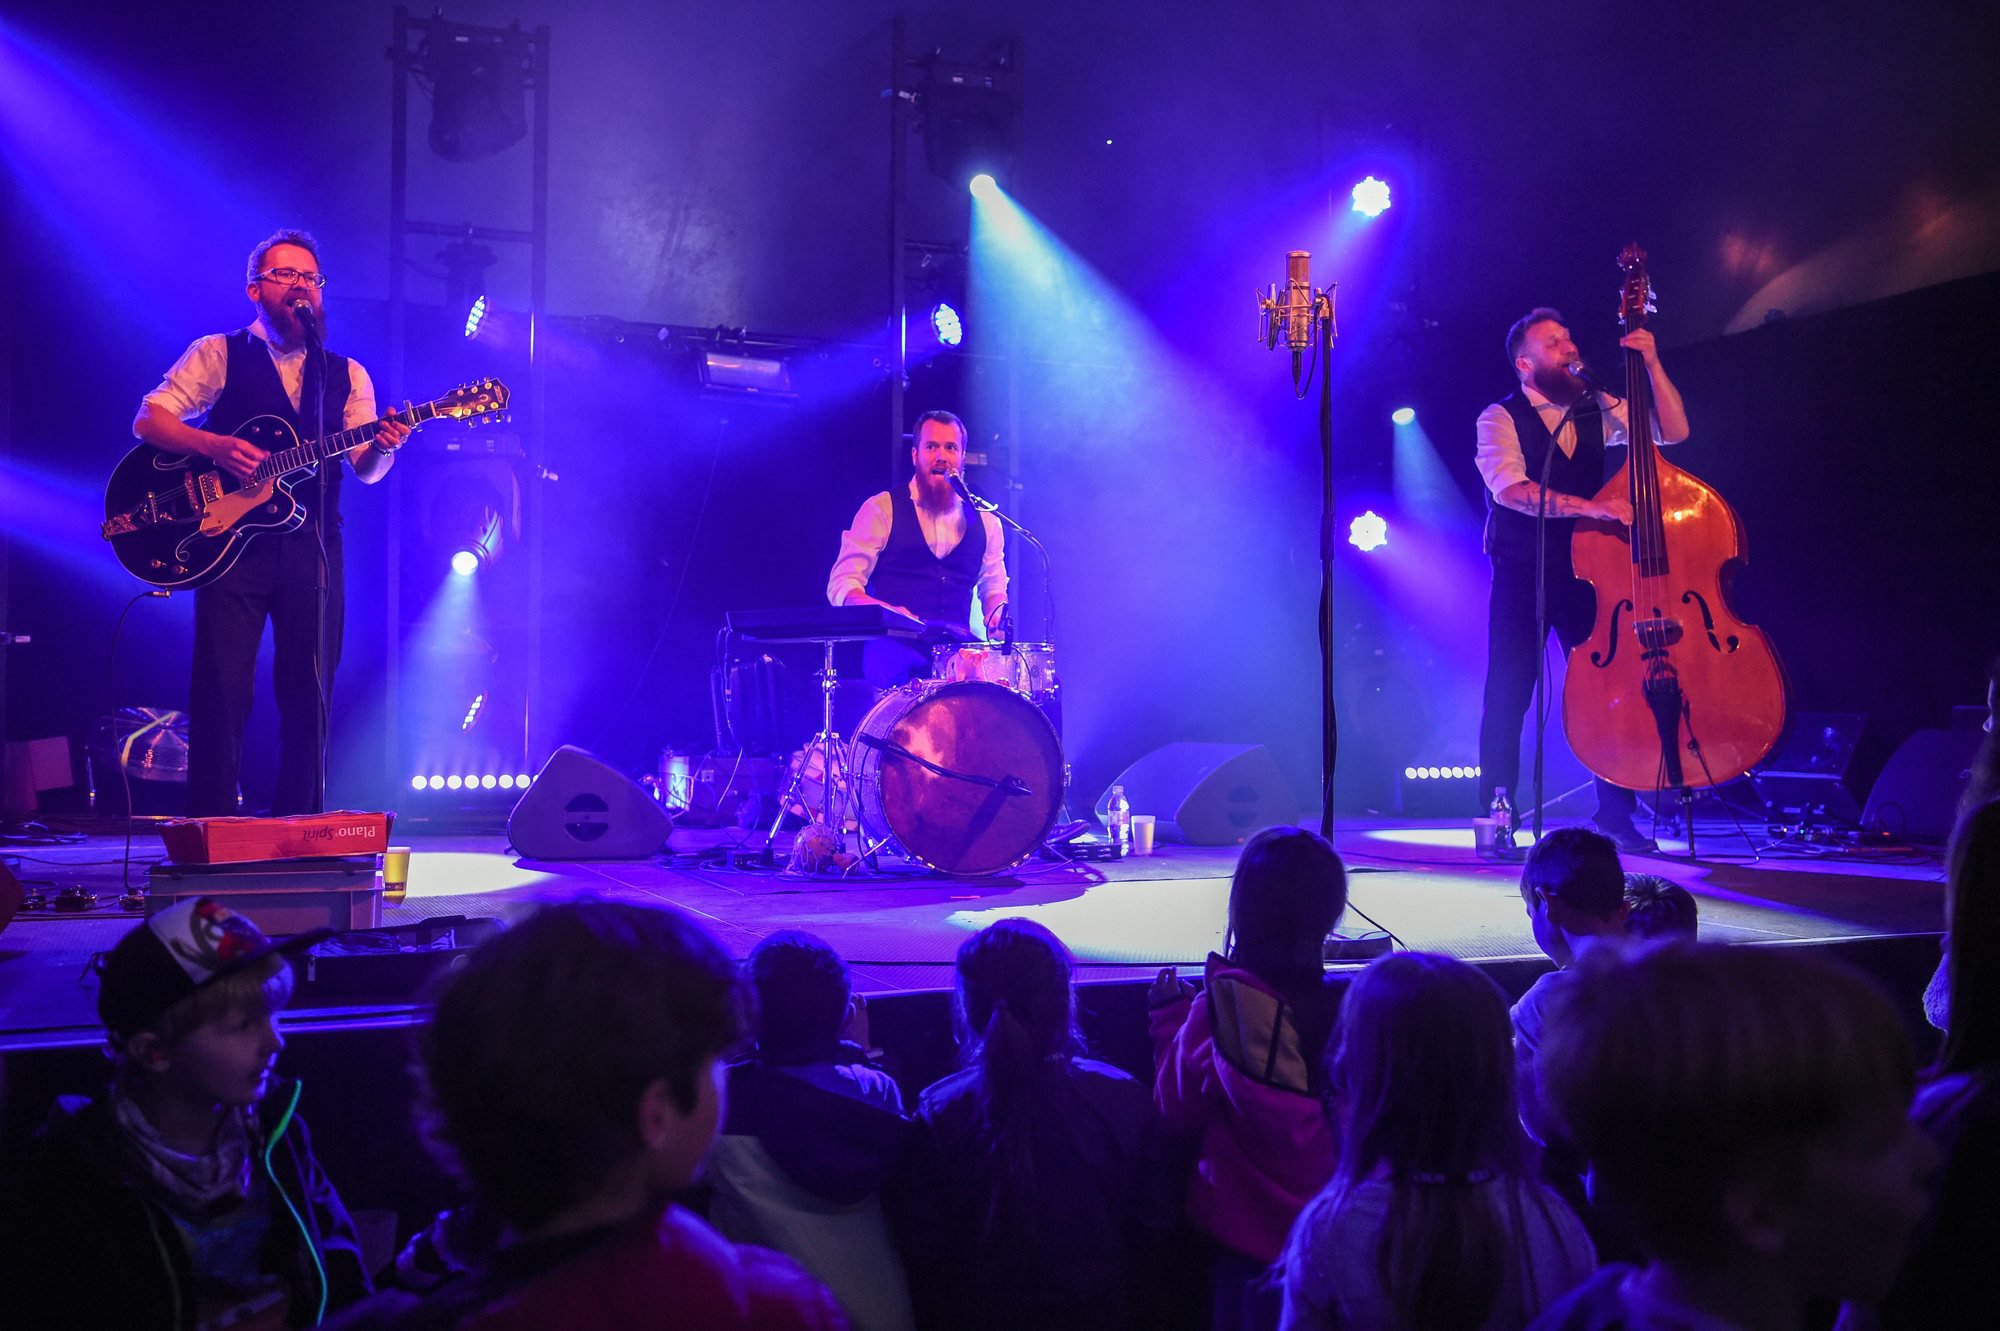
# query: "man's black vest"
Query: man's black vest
{"points": [[1580, 473], [251, 388], [908, 574]]}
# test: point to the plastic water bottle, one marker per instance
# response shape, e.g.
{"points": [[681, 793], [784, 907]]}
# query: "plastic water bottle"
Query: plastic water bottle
{"points": [[1502, 814], [1118, 822]]}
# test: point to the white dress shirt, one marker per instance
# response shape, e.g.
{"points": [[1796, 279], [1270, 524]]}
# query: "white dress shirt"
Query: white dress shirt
{"points": [[195, 381], [861, 545], [1499, 447]]}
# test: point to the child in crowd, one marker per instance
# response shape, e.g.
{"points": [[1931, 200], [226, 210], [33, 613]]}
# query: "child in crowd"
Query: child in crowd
{"points": [[1574, 889], [1950, 1278], [1658, 908], [1434, 1220], [1238, 1071], [1036, 1198], [573, 1078], [1744, 1113], [811, 1133], [188, 1195]]}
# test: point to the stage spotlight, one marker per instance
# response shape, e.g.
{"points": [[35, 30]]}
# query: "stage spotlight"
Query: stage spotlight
{"points": [[968, 114], [478, 87], [984, 186], [475, 316], [950, 329], [738, 374], [488, 781], [1404, 415], [507, 781], [1371, 197], [1370, 531], [478, 552], [1409, 774], [436, 782], [454, 782], [416, 783]]}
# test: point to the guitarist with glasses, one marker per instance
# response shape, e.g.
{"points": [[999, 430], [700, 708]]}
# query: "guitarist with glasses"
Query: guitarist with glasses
{"points": [[276, 367]]}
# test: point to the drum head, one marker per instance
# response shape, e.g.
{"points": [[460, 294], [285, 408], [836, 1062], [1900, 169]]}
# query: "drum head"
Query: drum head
{"points": [[981, 731]]}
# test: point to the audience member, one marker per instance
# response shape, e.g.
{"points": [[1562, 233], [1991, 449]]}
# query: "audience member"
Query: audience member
{"points": [[1238, 1070], [1574, 889], [811, 1133], [187, 1195], [1950, 1278], [573, 1078], [1036, 1198], [1982, 787], [1434, 1220], [1658, 908], [1744, 1111]]}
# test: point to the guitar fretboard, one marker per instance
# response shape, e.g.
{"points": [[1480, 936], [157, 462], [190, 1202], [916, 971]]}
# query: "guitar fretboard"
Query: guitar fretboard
{"points": [[305, 455]]}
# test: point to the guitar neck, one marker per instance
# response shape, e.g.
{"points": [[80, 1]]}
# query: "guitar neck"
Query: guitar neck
{"points": [[305, 455]]}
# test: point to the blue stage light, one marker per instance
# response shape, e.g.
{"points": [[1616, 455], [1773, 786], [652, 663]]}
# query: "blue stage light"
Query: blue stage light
{"points": [[950, 329], [1370, 531], [465, 563], [1404, 415], [474, 316], [1371, 197], [984, 185]]}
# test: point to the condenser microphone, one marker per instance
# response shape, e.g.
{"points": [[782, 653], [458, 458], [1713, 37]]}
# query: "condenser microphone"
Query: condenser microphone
{"points": [[1298, 300], [958, 488], [1591, 381], [302, 310]]}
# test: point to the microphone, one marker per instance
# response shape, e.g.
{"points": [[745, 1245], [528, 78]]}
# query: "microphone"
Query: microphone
{"points": [[958, 488], [1591, 381], [1298, 300], [302, 310]]}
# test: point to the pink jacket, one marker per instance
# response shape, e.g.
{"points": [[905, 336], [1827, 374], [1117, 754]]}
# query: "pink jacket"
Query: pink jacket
{"points": [[1229, 1072]]}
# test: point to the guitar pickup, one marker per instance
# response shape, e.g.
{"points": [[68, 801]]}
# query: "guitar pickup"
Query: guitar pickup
{"points": [[1656, 635]]}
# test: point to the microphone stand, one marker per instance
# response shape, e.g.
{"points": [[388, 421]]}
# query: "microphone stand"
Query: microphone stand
{"points": [[1322, 338], [316, 346]]}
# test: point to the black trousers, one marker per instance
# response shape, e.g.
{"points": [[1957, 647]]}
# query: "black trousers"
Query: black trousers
{"points": [[1512, 659], [276, 579]]}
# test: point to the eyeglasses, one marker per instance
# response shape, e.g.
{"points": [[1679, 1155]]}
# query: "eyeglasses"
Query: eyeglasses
{"points": [[292, 277]]}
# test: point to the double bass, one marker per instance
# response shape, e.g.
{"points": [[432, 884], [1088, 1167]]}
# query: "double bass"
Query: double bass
{"points": [[1672, 690]]}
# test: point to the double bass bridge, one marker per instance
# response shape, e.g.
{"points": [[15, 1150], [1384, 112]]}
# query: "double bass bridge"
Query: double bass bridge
{"points": [[1656, 634]]}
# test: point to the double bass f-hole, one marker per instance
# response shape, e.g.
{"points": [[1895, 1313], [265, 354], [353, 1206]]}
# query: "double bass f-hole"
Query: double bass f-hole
{"points": [[1708, 622], [1603, 659]]}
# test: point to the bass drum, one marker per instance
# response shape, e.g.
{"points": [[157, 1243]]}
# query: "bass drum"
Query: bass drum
{"points": [[955, 825]]}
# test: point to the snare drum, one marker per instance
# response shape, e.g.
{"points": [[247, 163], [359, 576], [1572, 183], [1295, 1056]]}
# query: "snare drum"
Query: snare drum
{"points": [[972, 729], [1026, 667]]}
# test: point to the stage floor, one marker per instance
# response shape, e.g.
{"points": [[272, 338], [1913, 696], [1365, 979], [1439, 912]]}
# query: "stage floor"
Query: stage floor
{"points": [[1123, 919]]}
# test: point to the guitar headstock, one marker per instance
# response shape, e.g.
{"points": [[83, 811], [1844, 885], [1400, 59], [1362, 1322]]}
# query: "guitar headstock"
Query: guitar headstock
{"points": [[1635, 293], [475, 403]]}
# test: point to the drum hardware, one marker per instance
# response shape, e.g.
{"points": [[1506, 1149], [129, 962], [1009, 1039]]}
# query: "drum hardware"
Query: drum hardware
{"points": [[832, 811]]}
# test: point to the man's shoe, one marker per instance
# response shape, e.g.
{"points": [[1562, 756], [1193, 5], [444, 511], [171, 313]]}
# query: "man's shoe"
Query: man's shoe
{"points": [[1626, 837]]}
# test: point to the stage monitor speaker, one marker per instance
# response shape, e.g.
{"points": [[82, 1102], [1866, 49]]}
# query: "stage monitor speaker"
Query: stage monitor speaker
{"points": [[1207, 794], [581, 808], [1803, 780], [1918, 792]]}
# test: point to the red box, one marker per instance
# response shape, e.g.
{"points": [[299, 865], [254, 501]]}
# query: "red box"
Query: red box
{"points": [[307, 835]]}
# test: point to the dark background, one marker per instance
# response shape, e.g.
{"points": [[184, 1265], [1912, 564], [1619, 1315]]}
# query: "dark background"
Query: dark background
{"points": [[729, 165]]}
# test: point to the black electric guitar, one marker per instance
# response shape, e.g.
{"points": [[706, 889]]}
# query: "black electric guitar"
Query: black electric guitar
{"points": [[178, 520]]}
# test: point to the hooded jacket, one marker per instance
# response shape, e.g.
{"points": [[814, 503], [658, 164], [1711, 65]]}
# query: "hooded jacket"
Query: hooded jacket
{"points": [[1231, 1075]]}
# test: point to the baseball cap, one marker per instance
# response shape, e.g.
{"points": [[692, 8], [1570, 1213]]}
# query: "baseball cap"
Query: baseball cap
{"points": [[181, 950]]}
